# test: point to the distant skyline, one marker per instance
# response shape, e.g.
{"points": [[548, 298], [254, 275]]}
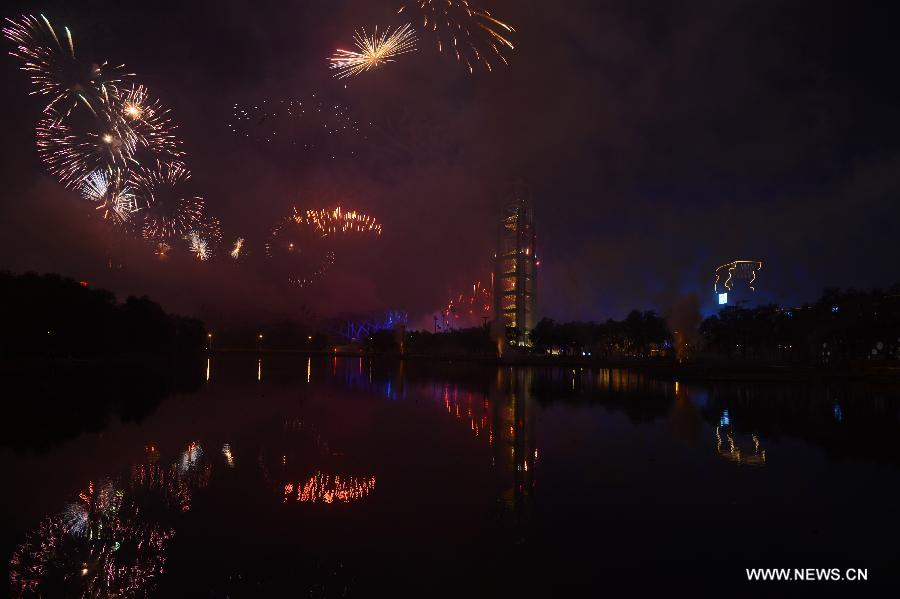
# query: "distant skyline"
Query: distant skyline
{"points": [[660, 140]]}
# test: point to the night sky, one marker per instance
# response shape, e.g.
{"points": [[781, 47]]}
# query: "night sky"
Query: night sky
{"points": [[659, 139]]}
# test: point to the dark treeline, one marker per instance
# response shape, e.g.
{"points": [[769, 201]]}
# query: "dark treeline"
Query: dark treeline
{"points": [[78, 358], [474, 342], [640, 335], [49, 316], [281, 335], [841, 327]]}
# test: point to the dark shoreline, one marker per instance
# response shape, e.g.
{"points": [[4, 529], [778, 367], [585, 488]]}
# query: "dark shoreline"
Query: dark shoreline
{"points": [[664, 369], [698, 371]]}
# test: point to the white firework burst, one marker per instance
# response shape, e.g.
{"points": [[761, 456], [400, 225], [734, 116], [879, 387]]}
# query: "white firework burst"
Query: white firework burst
{"points": [[113, 196], [198, 246]]}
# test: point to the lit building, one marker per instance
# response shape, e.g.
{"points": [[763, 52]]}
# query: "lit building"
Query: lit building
{"points": [[736, 282], [515, 270]]}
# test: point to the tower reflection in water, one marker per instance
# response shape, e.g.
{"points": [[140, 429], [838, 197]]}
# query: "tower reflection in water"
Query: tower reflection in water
{"points": [[495, 404], [113, 540], [502, 417], [311, 448]]}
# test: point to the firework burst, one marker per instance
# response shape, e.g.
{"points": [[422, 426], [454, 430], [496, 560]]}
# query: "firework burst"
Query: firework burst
{"points": [[331, 222], [150, 122], [110, 191], [237, 250], [301, 129], [162, 250], [472, 34], [304, 243], [198, 246], [373, 50], [70, 152], [100, 546], [49, 58], [92, 122], [300, 248], [469, 307], [205, 238], [169, 211]]}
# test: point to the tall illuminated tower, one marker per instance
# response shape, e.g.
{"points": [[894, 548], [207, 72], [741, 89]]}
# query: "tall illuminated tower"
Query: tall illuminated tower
{"points": [[515, 270]]}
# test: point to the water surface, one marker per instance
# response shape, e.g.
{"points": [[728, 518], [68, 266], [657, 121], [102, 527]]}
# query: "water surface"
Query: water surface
{"points": [[332, 477]]}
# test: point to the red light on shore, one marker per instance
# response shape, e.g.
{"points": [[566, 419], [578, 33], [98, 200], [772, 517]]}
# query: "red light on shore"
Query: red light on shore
{"points": [[83, 283]]}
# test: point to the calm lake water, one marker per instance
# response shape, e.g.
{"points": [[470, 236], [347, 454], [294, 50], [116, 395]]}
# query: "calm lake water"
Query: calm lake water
{"points": [[332, 477]]}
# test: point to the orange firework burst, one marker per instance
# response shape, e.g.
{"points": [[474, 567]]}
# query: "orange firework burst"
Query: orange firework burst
{"points": [[330, 222], [304, 243], [473, 34], [373, 51]]}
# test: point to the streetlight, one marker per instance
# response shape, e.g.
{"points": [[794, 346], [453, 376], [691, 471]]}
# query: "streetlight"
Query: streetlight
{"points": [[209, 342], [259, 343]]}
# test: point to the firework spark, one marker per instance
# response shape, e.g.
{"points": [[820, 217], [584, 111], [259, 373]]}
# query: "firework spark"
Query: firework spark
{"points": [[151, 123], [55, 70], [101, 546], [304, 242], [469, 307], [331, 222], [300, 127], [72, 152], [373, 50], [203, 240], [297, 246], [238, 248], [162, 250], [473, 34], [91, 122], [169, 212], [109, 189], [198, 246], [326, 488]]}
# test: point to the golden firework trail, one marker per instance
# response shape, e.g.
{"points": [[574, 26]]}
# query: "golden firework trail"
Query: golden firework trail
{"points": [[238, 248], [198, 246], [330, 222], [373, 50], [311, 236], [203, 240], [300, 242], [55, 70], [162, 249], [472, 34]]}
